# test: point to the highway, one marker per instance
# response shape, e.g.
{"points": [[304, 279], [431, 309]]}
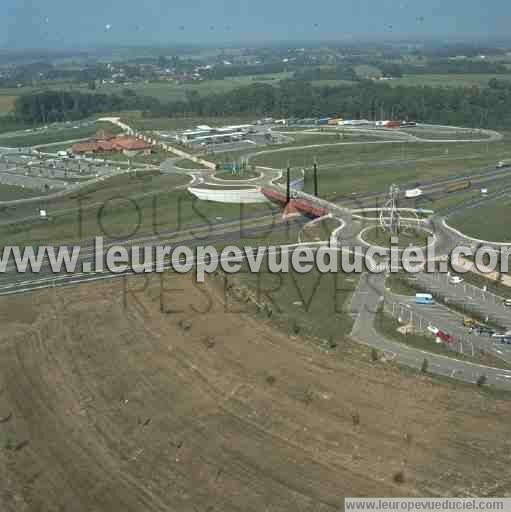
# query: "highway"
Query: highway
{"points": [[366, 298]]}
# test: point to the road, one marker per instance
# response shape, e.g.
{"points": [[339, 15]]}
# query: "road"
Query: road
{"points": [[365, 302], [365, 299], [473, 298]]}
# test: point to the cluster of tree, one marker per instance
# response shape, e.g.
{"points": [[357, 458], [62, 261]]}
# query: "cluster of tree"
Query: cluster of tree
{"points": [[456, 49], [495, 83], [329, 73], [178, 64], [226, 71], [391, 70], [450, 66], [51, 106], [475, 107]]}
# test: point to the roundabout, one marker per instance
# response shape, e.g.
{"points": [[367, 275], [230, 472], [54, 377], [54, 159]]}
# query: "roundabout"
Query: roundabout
{"points": [[413, 237], [247, 175]]}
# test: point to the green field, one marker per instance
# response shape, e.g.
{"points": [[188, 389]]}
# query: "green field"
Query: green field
{"points": [[129, 205], [439, 133], [10, 192], [449, 80], [415, 238], [241, 175], [136, 120], [163, 91], [278, 154], [487, 222], [7, 103], [185, 163], [346, 169], [172, 91], [55, 134], [155, 158], [311, 304]]}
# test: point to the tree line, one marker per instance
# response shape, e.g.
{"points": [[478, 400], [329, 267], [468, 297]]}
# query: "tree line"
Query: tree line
{"points": [[323, 73], [51, 106], [450, 66], [465, 106]]}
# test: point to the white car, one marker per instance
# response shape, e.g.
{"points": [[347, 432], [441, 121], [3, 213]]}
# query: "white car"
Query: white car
{"points": [[414, 192], [434, 330], [455, 280]]}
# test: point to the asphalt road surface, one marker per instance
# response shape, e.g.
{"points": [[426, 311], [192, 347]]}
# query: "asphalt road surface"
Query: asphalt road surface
{"points": [[365, 302]]}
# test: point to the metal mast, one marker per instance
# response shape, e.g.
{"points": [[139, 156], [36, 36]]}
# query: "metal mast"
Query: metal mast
{"points": [[389, 213]]}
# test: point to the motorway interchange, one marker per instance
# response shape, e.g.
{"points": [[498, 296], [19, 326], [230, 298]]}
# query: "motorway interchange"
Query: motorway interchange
{"points": [[368, 295]]}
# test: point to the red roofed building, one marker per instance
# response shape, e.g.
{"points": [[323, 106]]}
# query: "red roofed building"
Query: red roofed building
{"points": [[130, 146], [82, 148], [105, 145]]}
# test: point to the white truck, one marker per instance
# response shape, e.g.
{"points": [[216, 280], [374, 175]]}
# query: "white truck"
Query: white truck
{"points": [[414, 192]]}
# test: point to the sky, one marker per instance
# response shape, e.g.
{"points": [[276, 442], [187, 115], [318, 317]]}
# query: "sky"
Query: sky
{"points": [[69, 23]]}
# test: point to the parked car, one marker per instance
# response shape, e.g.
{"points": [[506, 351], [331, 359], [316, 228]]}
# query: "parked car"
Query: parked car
{"points": [[446, 338], [469, 322], [423, 298], [507, 303], [433, 329], [455, 280], [483, 330]]}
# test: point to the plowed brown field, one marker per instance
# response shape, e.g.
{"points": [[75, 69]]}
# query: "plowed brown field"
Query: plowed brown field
{"points": [[109, 404]]}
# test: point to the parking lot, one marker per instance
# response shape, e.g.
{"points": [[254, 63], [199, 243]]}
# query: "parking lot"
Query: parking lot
{"points": [[258, 136], [49, 174], [448, 321], [468, 296]]}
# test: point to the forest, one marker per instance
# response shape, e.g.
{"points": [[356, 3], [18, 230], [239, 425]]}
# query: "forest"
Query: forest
{"points": [[474, 107], [464, 106], [53, 105]]}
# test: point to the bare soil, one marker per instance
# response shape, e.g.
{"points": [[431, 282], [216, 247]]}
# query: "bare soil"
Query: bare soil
{"points": [[113, 401]]}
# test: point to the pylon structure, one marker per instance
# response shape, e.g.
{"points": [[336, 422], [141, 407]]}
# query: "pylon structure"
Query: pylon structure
{"points": [[389, 213]]}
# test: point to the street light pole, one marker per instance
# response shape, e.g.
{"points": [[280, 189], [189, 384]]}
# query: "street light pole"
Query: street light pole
{"points": [[288, 184], [316, 178]]}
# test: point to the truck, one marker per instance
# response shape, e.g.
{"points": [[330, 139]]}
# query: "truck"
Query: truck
{"points": [[392, 124], [459, 185]]}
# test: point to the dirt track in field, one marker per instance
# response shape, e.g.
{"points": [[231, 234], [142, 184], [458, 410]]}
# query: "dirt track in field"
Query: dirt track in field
{"points": [[109, 404]]}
